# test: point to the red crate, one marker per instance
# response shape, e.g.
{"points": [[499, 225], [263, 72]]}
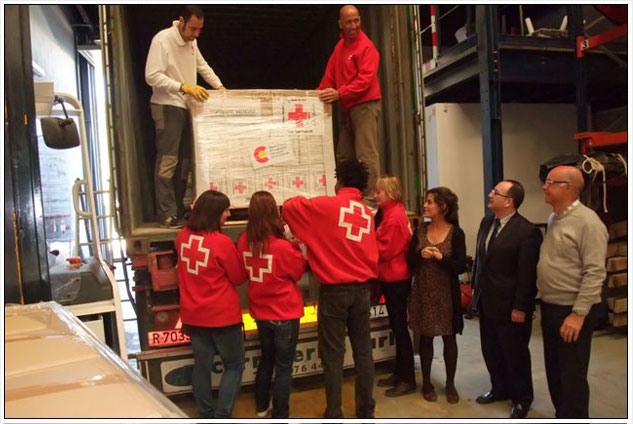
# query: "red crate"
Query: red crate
{"points": [[139, 262], [162, 268]]}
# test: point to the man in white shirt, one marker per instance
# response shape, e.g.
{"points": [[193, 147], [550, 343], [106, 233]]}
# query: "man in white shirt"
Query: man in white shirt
{"points": [[173, 63]]}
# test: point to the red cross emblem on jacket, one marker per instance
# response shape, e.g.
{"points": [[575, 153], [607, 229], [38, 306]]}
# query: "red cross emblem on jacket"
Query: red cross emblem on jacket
{"points": [[355, 221], [257, 266], [194, 255]]}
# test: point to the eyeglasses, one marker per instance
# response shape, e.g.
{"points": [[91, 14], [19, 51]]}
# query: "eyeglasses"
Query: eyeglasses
{"points": [[496, 193], [551, 182]]}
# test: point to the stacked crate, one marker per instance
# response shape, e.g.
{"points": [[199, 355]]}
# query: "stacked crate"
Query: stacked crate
{"points": [[615, 290]]}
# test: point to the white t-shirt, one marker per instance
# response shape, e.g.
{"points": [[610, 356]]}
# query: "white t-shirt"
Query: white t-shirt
{"points": [[172, 61]]}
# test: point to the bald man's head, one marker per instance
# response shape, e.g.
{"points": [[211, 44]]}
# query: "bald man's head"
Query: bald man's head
{"points": [[574, 176], [347, 9], [349, 21], [563, 186]]}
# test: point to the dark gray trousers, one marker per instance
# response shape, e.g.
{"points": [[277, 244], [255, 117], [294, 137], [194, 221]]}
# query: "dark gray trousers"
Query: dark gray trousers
{"points": [[346, 306], [566, 364], [174, 142]]}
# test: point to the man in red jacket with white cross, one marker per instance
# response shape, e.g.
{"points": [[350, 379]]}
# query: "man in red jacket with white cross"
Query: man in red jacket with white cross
{"points": [[338, 232], [351, 78]]}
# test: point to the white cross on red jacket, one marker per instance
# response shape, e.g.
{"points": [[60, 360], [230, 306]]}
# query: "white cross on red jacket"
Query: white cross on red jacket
{"points": [[273, 293], [339, 234]]}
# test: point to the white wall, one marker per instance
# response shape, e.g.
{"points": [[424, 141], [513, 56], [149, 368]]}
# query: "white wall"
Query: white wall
{"points": [[532, 134], [53, 47]]}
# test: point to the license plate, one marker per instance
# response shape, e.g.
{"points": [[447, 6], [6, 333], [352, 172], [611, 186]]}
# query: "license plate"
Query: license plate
{"points": [[377, 311], [167, 338]]}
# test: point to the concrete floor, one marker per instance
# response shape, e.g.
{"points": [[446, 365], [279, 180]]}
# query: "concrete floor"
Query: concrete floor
{"points": [[607, 381]]}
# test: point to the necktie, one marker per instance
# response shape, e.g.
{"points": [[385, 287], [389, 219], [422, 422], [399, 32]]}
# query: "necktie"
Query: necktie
{"points": [[495, 229]]}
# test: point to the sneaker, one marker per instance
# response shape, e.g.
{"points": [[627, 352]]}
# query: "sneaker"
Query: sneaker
{"points": [[262, 414], [172, 222]]}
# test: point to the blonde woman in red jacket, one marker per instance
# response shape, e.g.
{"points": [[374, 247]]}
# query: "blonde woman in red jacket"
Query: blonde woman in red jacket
{"points": [[274, 266], [209, 270], [394, 236]]}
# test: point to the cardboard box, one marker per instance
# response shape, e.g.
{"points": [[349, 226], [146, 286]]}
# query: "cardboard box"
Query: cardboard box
{"points": [[617, 230], [617, 280], [618, 320], [617, 304], [56, 368], [274, 140], [617, 249], [616, 264]]}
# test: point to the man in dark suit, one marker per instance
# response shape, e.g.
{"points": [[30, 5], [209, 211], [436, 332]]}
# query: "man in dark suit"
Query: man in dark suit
{"points": [[505, 290]]}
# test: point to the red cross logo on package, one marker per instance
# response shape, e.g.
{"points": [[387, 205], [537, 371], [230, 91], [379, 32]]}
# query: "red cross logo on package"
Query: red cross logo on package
{"points": [[239, 187], [298, 182], [194, 255], [355, 221], [213, 186], [298, 115], [270, 183], [258, 266]]}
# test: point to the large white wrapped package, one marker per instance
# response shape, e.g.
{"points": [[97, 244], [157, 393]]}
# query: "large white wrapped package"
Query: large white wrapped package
{"points": [[274, 140], [56, 368]]}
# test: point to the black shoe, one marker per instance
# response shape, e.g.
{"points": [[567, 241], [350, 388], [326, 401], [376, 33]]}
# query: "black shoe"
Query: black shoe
{"points": [[489, 397], [186, 213], [387, 382], [400, 389], [518, 411], [172, 222]]}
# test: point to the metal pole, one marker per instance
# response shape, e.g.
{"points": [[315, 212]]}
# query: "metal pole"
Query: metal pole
{"points": [[490, 95], [420, 122], [434, 34], [576, 29]]}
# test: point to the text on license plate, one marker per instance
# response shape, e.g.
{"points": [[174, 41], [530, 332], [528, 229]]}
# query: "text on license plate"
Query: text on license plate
{"points": [[167, 337]]}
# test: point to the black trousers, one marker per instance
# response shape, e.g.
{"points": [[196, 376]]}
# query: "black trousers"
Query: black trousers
{"points": [[505, 348], [396, 294], [566, 364], [341, 307]]}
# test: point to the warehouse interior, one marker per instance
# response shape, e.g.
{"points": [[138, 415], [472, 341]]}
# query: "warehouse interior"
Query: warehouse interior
{"points": [[472, 94]]}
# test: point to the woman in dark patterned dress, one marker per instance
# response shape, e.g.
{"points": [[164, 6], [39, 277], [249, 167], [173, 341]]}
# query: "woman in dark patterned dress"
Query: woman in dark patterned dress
{"points": [[438, 256]]}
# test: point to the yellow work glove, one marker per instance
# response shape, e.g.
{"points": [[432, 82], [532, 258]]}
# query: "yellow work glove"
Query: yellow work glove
{"points": [[195, 91]]}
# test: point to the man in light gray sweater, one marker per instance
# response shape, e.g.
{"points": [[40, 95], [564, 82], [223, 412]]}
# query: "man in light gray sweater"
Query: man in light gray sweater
{"points": [[570, 272]]}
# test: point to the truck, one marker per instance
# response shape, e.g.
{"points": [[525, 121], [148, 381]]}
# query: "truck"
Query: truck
{"points": [[249, 46]]}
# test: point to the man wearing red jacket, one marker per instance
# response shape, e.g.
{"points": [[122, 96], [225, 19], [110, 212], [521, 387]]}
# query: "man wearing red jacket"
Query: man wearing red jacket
{"points": [[338, 232], [351, 78]]}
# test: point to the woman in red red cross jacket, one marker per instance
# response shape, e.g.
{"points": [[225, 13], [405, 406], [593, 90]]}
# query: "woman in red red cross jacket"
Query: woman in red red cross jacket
{"points": [[393, 236], [209, 270], [274, 266]]}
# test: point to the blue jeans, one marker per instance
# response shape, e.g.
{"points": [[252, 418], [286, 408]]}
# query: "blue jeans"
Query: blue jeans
{"points": [[278, 340], [228, 342]]}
